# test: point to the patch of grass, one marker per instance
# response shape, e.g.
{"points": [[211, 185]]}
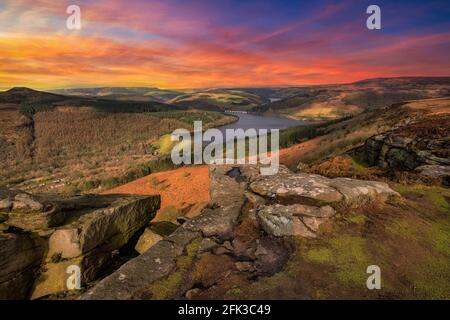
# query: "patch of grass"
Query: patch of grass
{"points": [[165, 144], [357, 219], [319, 255], [346, 254], [358, 164], [434, 194], [431, 278]]}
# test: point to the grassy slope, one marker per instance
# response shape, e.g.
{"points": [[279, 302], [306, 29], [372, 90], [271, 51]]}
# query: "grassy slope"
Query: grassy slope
{"points": [[325, 102]]}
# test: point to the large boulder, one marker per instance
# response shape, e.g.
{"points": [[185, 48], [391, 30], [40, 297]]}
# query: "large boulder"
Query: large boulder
{"points": [[90, 237]]}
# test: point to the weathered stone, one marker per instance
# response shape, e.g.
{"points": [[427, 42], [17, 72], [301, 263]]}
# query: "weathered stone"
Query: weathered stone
{"points": [[402, 149], [20, 255], [358, 191], [147, 240], [297, 188], [114, 225], [29, 212], [279, 220], [441, 173], [313, 223], [90, 238], [207, 244], [135, 276], [192, 293], [54, 276], [218, 222], [24, 202], [244, 266], [34, 221], [272, 256]]}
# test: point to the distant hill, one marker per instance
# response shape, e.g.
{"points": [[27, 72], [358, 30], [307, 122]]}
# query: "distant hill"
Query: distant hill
{"points": [[221, 99], [336, 101], [20, 95], [31, 101], [123, 93], [300, 102]]}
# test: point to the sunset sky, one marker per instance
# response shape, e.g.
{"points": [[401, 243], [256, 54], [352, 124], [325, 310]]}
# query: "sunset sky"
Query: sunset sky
{"points": [[212, 43]]}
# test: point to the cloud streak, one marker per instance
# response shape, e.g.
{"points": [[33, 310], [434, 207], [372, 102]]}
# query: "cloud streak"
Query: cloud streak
{"points": [[174, 44]]}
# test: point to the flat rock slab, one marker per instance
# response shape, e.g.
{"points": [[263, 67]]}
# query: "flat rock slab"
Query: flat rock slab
{"points": [[358, 191], [297, 187]]}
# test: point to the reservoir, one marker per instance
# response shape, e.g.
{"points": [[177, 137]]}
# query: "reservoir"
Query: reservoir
{"points": [[250, 121]]}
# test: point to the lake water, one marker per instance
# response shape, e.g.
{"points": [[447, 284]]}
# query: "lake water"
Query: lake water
{"points": [[249, 121]]}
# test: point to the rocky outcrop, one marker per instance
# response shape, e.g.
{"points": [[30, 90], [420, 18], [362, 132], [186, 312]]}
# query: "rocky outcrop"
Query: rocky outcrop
{"points": [[135, 278], [407, 152], [49, 235], [244, 230], [20, 257], [297, 204]]}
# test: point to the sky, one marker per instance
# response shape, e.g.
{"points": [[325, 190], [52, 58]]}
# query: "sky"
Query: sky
{"points": [[218, 43]]}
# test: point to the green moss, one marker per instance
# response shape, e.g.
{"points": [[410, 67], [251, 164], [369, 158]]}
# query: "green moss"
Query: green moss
{"points": [[167, 288], [346, 254], [358, 164], [435, 195], [319, 255], [431, 279], [435, 234], [234, 292], [438, 236], [357, 219], [351, 261], [404, 228]]}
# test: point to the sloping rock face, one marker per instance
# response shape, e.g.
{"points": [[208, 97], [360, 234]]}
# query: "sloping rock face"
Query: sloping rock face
{"points": [[20, 258], [246, 230], [86, 233]]}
